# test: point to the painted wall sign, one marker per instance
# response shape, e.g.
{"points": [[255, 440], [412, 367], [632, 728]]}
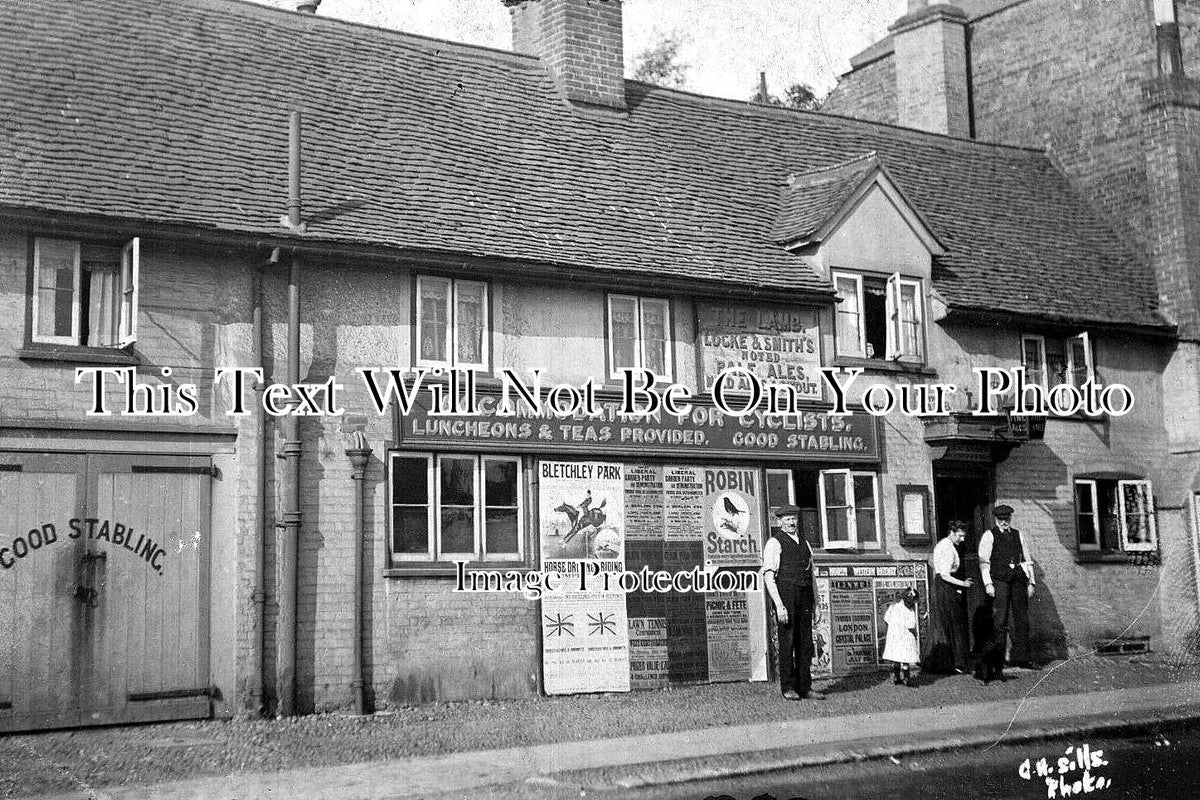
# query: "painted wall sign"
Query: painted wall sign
{"points": [[775, 344], [705, 433], [848, 627], [117, 534]]}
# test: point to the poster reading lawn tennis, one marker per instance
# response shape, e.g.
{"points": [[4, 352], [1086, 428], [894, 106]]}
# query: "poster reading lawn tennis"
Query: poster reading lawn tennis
{"points": [[604, 517], [848, 626]]}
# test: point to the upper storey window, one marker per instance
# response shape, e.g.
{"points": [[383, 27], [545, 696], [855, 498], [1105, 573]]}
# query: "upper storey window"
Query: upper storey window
{"points": [[639, 334], [84, 293], [452, 323], [880, 318]]}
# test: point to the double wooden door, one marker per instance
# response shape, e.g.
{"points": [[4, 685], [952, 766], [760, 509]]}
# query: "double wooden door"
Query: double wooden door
{"points": [[104, 582]]}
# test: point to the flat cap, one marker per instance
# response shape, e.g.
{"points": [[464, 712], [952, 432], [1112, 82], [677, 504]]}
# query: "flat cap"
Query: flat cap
{"points": [[1002, 511], [785, 510]]}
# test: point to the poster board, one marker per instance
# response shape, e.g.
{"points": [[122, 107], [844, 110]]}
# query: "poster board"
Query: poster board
{"points": [[852, 598], [609, 517]]}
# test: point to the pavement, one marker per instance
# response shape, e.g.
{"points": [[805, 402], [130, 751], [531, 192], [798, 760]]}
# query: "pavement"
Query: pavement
{"points": [[619, 765]]}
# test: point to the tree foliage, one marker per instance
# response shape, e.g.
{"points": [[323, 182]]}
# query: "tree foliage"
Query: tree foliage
{"points": [[659, 63], [798, 95]]}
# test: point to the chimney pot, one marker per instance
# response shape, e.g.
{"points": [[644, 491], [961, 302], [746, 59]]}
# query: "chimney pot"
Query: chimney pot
{"points": [[307, 6]]}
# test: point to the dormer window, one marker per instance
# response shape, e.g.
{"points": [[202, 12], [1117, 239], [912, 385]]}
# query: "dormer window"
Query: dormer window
{"points": [[880, 318]]}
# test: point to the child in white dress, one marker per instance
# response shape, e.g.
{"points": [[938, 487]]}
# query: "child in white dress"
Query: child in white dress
{"points": [[901, 644]]}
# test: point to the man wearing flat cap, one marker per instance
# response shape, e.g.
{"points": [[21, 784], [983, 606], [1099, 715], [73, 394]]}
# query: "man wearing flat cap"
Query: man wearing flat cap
{"points": [[787, 573], [1007, 572]]}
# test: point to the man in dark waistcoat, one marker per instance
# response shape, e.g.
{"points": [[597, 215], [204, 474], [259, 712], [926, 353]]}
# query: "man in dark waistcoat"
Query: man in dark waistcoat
{"points": [[1007, 572], [787, 573]]}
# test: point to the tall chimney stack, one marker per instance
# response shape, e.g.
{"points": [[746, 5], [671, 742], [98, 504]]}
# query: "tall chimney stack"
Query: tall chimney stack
{"points": [[931, 68], [582, 43]]}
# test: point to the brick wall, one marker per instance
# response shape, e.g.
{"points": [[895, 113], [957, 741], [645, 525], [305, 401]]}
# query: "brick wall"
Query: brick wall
{"points": [[867, 93], [581, 41]]}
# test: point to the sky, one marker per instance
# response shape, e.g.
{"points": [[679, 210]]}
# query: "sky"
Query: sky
{"points": [[724, 43]]}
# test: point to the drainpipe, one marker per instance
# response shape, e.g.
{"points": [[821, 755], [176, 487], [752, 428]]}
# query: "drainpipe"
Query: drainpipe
{"points": [[257, 593], [359, 455], [288, 551]]}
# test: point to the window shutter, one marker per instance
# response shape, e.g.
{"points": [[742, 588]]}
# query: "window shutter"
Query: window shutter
{"points": [[1079, 348], [828, 479], [131, 256], [893, 317], [1135, 499]]}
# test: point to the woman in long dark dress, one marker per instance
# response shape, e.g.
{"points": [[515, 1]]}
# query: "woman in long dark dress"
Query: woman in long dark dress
{"points": [[950, 652]]}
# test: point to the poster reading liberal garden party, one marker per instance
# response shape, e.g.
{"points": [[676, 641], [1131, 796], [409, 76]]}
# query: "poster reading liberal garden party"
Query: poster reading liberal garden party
{"points": [[585, 634]]}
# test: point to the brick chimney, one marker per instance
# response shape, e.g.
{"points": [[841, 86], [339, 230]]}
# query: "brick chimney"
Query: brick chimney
{"points": [[931, 68], [581, 42]]}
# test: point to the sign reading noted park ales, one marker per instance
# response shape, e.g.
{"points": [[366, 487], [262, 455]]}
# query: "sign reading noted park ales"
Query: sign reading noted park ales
{"points": [[776, 345]]}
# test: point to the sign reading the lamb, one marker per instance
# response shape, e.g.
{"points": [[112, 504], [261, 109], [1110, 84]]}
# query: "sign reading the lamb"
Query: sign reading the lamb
{"points": [[776, 345], [732, 515]]}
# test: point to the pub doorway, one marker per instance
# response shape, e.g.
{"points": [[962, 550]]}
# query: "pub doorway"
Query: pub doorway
{"points": [[965, 493]]}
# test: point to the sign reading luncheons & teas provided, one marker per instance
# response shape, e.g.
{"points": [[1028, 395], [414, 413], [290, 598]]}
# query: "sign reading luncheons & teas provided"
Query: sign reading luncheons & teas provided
{"points": [[703, 433], [777, 345]]}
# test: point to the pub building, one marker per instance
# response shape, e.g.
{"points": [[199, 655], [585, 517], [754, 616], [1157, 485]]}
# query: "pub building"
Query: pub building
{"points": [[323, 198]]}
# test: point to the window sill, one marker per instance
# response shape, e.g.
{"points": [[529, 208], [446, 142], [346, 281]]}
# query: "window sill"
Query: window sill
{"points": [[1142, 558], [881, 365], [85, 355], [450, 570], [857, 555]]}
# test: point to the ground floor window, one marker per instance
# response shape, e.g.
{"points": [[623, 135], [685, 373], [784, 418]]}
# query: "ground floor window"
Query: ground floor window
{"points": [[1115, 515], [839, 508], [455, 507]]}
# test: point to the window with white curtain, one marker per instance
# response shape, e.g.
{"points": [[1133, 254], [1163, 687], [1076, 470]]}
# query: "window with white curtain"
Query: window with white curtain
{"points": [[84, 293]]}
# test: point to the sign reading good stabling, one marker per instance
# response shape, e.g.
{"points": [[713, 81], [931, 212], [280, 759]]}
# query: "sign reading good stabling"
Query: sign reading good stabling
{"points": [[703, 433], [777, 345]]}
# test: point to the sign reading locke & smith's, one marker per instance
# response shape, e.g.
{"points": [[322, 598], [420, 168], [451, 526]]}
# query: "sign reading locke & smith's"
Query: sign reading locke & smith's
{"points": [[777, 345]]}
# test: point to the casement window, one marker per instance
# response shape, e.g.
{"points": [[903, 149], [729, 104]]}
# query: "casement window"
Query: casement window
{"points": [[880, 318], [84, 293], [1052, 361], [452, 323], [1115, 515], [849, 510], [455, 508], [839, 508], [639, 335]]}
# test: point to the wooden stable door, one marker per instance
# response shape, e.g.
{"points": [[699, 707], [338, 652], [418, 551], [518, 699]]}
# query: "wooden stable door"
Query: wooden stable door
{"points": [[104, 578]]}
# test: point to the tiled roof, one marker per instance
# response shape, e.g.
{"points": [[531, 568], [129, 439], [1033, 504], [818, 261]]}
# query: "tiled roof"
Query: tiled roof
{"points": [[812, 198], [176, 111]]}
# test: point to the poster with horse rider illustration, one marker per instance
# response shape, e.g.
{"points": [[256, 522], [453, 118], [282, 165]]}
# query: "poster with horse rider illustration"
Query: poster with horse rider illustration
{"points": [[585, 634]]}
